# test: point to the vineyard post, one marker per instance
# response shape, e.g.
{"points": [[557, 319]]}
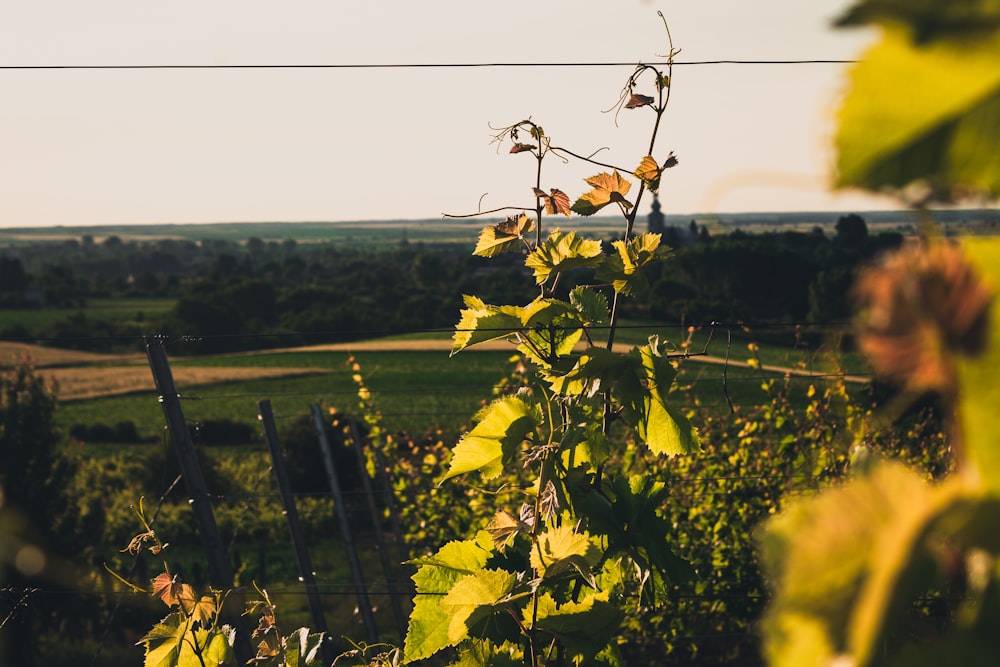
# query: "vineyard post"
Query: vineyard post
{"points": [[291, 513], [387, 569], [220, 573], [364, 604]]}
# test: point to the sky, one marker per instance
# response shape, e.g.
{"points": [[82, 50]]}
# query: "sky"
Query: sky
{"points": [[124, 146]]}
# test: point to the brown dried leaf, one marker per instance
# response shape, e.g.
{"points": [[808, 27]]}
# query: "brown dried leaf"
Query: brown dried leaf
{"points": [[521, 148], [920, 307], [636, 101], [556, 202]]}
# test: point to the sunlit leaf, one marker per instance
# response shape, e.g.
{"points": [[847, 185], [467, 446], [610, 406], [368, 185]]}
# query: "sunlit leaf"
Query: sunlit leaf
{"points": [[482, 322], [204, 610], [923, 113], [584, 628], [473, 597], [303, 648], [978, 386], [847, 562], [503, 426], [503, 237], [635, 101], [643, 392], [427, 632], [591, 304], [556, 202], [623, 269], [561, 549], [562, 252], [163, 642], [607, 188], [649, 173], [503, 528], [218, 645], [168, 588]]}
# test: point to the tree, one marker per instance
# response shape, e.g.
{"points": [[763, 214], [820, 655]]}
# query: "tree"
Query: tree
{"points": [[852, 232], [33, 506]]}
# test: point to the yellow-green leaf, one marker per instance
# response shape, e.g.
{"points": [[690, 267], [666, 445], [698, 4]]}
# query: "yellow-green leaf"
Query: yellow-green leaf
{"points": [[926, 113], [503, 237], [561, 252], [503, 426], [607, 188]]}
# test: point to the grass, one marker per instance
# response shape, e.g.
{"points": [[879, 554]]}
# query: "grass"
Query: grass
{"points": [[108, 310], [415, 391]]}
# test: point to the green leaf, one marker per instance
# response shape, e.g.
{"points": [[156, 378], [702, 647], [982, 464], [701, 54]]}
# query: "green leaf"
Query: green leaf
{"points": [[475, 597], [427, 632], [848, 562], [302, 648], [929, 19], [643, 392], [495, 440], [484, 653], [584, 628], [978, 385], [219, 648], [163, 642], [551, 329], [923, 112], [562, 252], [623, 269], [591, 304], [503, 237], [481, 322], [560, 549]]}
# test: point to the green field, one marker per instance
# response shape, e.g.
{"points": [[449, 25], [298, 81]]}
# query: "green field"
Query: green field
{"points": [[110, 310]]}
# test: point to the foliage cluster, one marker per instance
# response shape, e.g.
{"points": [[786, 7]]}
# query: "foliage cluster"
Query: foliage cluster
{"points": [[279, 290]]}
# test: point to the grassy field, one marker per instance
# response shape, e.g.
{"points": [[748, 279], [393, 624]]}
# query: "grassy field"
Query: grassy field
{"points": [[111, 310]]}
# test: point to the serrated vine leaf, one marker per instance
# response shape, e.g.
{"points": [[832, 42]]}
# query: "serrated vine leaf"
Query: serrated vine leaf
{"points": [[584, 628], [562, 252], [218, 649], [847, 562], [649, 173], [474, 597], [623, 269], [506, 236], [643, 392], [561, 549], [591, 304], [163, 642], [607, 188], [923, 112], [427, 632], [482, 322], [302, 648], [636, 100], [503, 426], [556, 202]]}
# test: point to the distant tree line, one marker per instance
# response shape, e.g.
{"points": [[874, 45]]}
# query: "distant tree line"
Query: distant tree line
{"points": [[261, 293]]}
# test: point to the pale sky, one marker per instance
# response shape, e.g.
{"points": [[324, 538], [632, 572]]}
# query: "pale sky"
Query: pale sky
{"points": [[82, 147]]}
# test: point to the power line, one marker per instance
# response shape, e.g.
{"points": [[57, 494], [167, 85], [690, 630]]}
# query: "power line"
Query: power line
{"points": [[425, 65]]}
